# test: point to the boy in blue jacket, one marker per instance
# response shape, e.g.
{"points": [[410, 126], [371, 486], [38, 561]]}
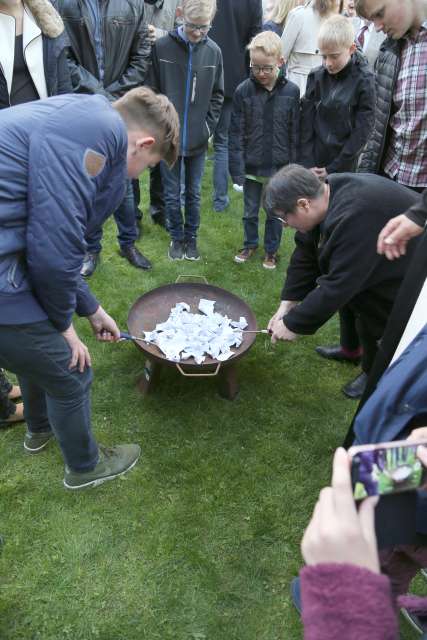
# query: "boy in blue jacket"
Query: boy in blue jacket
{"points": [[264, 136], [63, 163], [187, 66]]}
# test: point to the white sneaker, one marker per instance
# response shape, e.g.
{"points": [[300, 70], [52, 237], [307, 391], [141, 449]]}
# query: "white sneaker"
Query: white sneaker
{"points": [[238, 188]]}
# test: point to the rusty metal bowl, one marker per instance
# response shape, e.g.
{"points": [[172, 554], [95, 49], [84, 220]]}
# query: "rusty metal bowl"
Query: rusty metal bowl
{"points": [[154, 307]]}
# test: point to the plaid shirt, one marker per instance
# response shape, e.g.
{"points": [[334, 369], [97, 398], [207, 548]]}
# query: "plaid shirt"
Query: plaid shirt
{"points": [[406, 157]]}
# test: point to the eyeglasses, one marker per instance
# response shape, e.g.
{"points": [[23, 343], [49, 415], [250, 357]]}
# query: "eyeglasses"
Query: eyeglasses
{"points": [[202, 28], [266, 68]]}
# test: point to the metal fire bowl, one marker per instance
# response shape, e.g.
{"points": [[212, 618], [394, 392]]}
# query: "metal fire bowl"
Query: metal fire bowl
{"points": [[155, 306]]}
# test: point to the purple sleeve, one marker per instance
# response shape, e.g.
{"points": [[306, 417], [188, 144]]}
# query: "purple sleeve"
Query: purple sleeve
{"points": [[344, 601]]}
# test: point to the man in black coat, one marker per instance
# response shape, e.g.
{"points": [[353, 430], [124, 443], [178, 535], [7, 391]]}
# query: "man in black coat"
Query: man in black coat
{"points": [[335, 262], [234, 26], [110, 54]]}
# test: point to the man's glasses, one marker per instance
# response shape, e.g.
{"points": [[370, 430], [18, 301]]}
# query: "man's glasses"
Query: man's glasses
{"points": [[266, 68], [202, 28]]}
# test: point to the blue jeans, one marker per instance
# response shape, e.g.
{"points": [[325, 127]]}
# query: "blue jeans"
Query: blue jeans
{"points": [[125, 217], [220, 169], [179, 228], [55, 398], [252, 194]]}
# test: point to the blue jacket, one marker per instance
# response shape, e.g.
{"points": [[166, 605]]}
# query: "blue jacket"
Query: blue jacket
{"points": [[62, 172]]}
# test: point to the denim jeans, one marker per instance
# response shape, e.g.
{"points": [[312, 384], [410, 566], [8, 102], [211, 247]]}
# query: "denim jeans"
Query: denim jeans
{"points": [[252, 193], [125, 217], [220, 169], [179, 228], [55, 397]]}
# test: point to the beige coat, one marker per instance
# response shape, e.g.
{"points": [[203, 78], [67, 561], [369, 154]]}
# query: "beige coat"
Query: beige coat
{"points": [[299, 44]]}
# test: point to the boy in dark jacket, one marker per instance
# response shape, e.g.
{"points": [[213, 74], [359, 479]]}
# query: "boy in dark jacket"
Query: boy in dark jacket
{"points": [[187, 67], [337, 111], [264, 136]]}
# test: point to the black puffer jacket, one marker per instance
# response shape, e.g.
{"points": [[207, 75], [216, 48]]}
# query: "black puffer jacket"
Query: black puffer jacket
{"points": [[127, 47], [192, 78], [264, 129], [337, 116], [386, 71]]}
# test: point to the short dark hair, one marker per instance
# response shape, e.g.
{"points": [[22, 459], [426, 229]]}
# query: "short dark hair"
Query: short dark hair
{"points": [[287, 186]]}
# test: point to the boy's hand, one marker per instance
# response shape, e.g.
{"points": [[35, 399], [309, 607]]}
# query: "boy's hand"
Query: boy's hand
{"points": [[103, 326]]}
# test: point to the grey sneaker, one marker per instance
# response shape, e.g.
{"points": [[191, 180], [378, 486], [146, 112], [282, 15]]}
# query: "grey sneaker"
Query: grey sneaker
{"points": [[113, 462], [176, 250], [191, 251], [35, 442]]}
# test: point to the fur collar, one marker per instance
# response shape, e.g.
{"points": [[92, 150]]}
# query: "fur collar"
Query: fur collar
{"points": [[46, 16]]}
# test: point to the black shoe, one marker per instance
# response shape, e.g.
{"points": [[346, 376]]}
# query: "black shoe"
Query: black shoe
{"points": [[356, 387], [90, 262], [336, 352], [191, 251], [135, 257], [176, 250]]}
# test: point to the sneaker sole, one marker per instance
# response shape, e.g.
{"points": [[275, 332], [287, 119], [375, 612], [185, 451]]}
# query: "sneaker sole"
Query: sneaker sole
{"points": [[192, 259], [240, 260], [174, 259], [37, 449], [267, 266], [98, 481]]}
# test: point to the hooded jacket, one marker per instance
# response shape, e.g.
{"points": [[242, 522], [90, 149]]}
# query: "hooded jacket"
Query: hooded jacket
{"points": [[337, 116], [44, 43], [264, 129], [56, 183], [192, 77], [126, 46]]}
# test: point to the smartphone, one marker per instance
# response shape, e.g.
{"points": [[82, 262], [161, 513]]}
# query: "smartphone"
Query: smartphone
{"points": [[386, 468]]}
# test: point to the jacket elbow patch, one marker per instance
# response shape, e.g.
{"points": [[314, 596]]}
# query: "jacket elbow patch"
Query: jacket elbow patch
{"points": [[94, 162]]}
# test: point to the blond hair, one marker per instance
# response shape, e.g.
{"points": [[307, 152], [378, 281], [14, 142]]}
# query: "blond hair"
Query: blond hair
{"points": [[280, 11], [199, 8], [142, 109], [268, 42], [337, 31]]}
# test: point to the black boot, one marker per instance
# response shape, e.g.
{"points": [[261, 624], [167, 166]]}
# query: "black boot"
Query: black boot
{"points": [[135, 257], [90, 262], [355, 388]]}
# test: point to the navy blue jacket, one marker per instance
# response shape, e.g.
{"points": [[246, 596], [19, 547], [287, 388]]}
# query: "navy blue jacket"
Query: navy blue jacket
{"points": [[48, 200]]}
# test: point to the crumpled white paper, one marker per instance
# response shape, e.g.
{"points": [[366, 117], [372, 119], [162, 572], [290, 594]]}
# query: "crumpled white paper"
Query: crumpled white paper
{"points": [[195, 335]]}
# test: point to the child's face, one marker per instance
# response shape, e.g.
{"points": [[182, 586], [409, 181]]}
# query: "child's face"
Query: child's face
{"points": [[336, 58], [265, 68], [196, 27]]}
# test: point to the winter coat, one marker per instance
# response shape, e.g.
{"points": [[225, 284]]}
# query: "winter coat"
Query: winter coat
{"points": [[337, 116], [127, 47], [162, 15], [337, 263], [299, 44], [57, 181], [386, 72], [366, 606], [44, 43], [233, 27], [264, 129], [192, 78]]}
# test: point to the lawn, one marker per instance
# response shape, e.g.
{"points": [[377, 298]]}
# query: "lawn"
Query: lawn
{"points": [[200, 540]]}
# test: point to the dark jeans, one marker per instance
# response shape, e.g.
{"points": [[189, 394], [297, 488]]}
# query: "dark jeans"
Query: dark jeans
{"points": [[7, 407], [157, 201], [252, 193], [220, 169], [349, 338], [370, 332], [179, 229], [55, 397], [125, 217]]}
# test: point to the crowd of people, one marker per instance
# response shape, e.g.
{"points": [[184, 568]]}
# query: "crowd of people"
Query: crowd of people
{"points": [[317, 111]]}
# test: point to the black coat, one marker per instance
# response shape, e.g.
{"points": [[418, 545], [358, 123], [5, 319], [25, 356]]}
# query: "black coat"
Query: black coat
{"points": [[337, 116], [192, 78], [337, 262], [264, 128], [386, 72], [127, 48], [236, 22]]}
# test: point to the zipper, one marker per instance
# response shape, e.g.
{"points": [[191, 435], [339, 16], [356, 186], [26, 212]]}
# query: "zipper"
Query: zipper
{"points": [[193, 92], [396, 72], [12, 273], [187, 98]]}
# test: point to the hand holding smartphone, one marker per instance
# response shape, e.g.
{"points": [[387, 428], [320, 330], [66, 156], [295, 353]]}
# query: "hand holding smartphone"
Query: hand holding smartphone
{"points": [[388, 467]]}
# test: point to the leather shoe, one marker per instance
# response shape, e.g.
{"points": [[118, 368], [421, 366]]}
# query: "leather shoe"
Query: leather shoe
{"points": [[90, 262], [135, 257], [356, 387], [336, 352]]}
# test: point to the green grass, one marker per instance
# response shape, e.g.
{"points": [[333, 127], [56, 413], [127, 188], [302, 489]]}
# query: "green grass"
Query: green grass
{"points": [[201, 539]]}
